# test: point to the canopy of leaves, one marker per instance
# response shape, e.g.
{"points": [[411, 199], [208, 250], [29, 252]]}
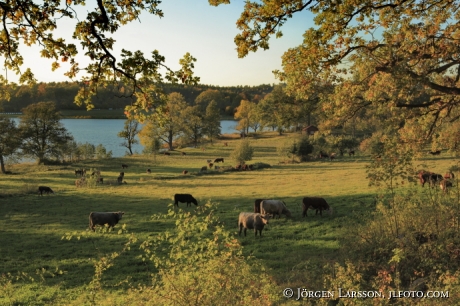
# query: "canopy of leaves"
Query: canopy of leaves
{"points": [[33, 22], [398, 59]]}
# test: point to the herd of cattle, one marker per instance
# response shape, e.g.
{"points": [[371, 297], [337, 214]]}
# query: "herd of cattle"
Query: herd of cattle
{"points": [[432, 179], [263, 209]]}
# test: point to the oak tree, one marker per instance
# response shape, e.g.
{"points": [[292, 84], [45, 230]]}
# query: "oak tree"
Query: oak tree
{"points": [[42, 132], [9, 140], [129, 132]]}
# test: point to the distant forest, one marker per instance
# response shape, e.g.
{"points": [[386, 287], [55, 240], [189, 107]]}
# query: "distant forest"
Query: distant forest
{"points": [[63, 93]]}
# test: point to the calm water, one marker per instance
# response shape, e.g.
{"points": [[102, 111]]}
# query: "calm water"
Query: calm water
{"points": [[104, 131]]}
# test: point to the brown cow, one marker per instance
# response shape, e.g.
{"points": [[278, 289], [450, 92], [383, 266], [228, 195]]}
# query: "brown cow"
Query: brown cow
{"points": [[183, 153], [184, 172], [203, 169], [210, 165], [445, 184], [225, 144], [351, 152], [319, 204], [257, 205], [166, 153], [149, 171], [449, 175]]}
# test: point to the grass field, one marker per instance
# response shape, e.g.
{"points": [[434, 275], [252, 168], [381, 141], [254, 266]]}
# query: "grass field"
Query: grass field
{"points": [[32, 226]]}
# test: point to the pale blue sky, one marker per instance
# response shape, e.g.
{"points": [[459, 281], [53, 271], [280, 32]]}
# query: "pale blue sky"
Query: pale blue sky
{"points": [[205, 31]]}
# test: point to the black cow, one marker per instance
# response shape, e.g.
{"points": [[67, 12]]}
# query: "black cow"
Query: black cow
{"points": [[124, 166], [184, 198], [319, 204], [435, 152], [323, 155], [45, 189], [101, 218], [219, 160]]}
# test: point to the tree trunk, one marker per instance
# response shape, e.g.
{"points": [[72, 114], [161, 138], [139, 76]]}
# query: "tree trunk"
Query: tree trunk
{"points": [[2, 164]]}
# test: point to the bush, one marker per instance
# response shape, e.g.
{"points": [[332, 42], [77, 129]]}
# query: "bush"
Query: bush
{"points": [[243, 152]]}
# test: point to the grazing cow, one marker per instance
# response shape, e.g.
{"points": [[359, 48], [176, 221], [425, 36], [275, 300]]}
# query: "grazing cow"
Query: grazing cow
{"points": [[351, 152], [219, 160], [120, 179], [100, 180], [124, 166], [319, 204], [45, 189], [449, 175], [434, 178], [323, 155], [244, 167], [210, 165], [184, 198], [225, 144], [122, 174], [184, 172], [149, 171], [238, 167], [251, 167], [166, 153], [424, 177], [435, 152], [274, 207], [183, 153], [102, 218], [78, 172], [204, 169], [332, 156], [445, 184], [249, 220], [80, 182], [257, 205]]}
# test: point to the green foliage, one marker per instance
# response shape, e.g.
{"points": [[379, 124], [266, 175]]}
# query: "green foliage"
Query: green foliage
{"points": [[86, 150], [9, 140], [204, 264], [211, 119], [243, 152], [101, 152], [42, 132]]}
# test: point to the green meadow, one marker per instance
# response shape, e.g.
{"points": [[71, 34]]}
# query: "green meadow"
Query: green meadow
{"points": [[33, 228]]}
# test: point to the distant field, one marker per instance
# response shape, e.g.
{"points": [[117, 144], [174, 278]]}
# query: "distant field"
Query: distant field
{"points": [[32, 226]]}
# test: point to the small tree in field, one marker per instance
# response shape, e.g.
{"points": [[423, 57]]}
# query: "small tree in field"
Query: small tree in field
{"points": [[243, 152], [130, 130], [9, 140]]}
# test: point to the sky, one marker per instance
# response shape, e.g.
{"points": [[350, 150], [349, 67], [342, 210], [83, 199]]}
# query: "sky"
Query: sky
{"points": [[206, 32]]}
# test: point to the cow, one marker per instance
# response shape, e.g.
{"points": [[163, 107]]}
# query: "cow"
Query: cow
{"points": [[210, 165], [323, 155], [124, 166], [204, 169], [434, 178], [166, 153], [45, 189], [332, 156], [184, 172], [435, 152], [149, 171], [244, 167], [319, 204], [249, 220], [424, 177], [274, 207], [80, 182], [449, 175], [78, 172], [238, 167], [225, 144], [183, 153], [445, 184], [351, 152], [251, 167], [122, 174], [120, 179], [184, 198], [102, 218], [257, 205], [218, 160], [100, 180]]}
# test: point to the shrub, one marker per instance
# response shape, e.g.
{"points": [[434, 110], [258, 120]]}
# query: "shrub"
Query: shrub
{"points": [[243, 152]]}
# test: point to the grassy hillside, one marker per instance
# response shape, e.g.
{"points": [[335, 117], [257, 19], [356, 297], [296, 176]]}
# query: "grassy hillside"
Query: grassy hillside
{"points": [[32, 226]]}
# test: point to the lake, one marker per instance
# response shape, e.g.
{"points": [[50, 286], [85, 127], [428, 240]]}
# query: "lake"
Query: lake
{"points": [[104, 131]]}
